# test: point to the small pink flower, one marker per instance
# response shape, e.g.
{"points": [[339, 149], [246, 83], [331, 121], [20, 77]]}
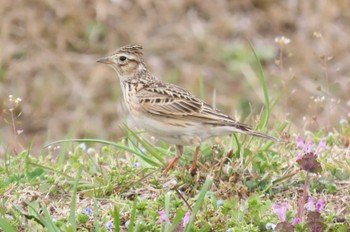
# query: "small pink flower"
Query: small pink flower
{"points": [[310, 204], [308, 159], [301, 144], [319, 205], [296, 221], [321, 145], [186, 219], [308, 148], [163, 217], [281, 211]]}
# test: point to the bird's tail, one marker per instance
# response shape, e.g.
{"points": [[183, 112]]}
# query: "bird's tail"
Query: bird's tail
{"points": [[261, 135]]}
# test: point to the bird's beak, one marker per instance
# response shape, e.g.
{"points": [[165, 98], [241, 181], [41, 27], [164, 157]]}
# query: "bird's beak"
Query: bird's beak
{"points": [[105, 60]]}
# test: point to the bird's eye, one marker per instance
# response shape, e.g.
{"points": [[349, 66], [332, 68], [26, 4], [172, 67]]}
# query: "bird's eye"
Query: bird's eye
{"points": [[122, 58]]}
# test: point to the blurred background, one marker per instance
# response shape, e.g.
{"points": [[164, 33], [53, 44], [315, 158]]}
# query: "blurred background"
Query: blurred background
{"points": [[48, 50]]}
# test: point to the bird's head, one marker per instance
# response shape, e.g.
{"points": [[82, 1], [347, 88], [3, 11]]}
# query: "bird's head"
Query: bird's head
{"points": [[127, 61]]}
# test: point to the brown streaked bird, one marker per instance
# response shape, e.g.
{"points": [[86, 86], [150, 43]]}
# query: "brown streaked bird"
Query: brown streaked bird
{"points": [[167, 111]]}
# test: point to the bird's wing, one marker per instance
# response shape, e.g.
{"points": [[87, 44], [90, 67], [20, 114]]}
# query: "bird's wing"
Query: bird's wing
{"points": [[168, 100], [173, 101]]}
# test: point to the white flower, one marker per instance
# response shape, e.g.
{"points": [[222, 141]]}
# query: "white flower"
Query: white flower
{"points": [[282, 40], [270, 226], [127, 223], [90, 151]]}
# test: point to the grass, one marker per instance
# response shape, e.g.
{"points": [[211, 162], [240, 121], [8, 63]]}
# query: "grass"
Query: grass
{"points": [[43, 195], [99, 185]]}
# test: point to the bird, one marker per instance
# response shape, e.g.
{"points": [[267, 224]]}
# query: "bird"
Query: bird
{"points": [[168, 111]]}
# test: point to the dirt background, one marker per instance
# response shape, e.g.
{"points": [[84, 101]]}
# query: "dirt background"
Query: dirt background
{"points": [[48, 50]]}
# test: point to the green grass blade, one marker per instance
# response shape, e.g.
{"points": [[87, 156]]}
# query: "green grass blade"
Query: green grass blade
{"points": [[72, 219], [133, 216], [199, 202], [51, 170], [38, 216], [6, 226], [101, 141], [50, 223], [7, 161], [64, 149], [236, 142], [116, 219], [28, 155], [47, 223], [177, 219], [264, 123], [151, 149], [96, 223], [284, 126], [141, 154]]}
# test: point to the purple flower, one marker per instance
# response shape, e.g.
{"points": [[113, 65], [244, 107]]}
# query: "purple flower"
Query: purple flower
{"points": [[284, 225], [308, 148], [280, 211], [186, 219], [296, 221], [163, 217], [82, 146], [319, 205], [136, 164], [308, 159], [321, 145], [310, 204], [219, 202], [314, 218], [88, 211], [109, 225], [301, 144]]}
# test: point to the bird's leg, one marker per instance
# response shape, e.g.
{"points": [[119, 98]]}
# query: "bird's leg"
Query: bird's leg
{"points": [[193, 169], [179, 151]]}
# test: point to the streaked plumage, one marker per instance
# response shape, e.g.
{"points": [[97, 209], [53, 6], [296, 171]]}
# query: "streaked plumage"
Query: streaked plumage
{"points": [[165, 110]]}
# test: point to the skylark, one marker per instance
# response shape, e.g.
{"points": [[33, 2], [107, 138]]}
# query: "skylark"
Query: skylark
{"points": [[168, 111]]}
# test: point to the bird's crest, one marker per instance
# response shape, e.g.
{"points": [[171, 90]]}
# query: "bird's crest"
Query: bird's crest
{"points": [[131, 49]]}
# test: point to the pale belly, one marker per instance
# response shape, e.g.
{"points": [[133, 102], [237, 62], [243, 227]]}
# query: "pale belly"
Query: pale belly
{"points": [[175, 132]]}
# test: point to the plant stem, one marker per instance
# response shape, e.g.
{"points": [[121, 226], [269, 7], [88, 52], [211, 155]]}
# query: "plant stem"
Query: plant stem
{"points": [[303, 199]]}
